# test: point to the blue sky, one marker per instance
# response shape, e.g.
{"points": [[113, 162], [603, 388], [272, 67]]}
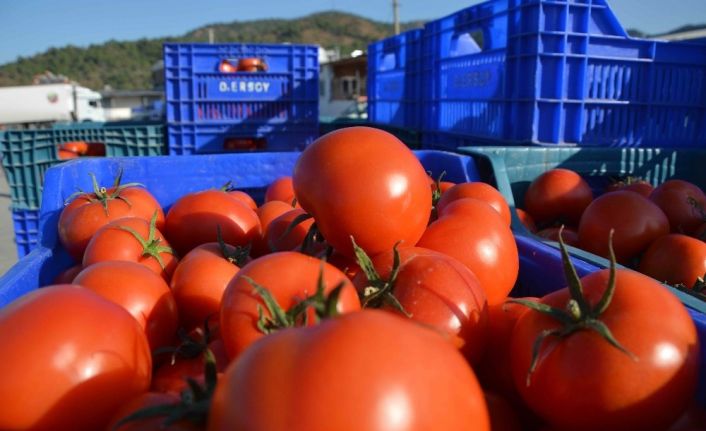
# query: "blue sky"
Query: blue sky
{"points": [[29, 27]]}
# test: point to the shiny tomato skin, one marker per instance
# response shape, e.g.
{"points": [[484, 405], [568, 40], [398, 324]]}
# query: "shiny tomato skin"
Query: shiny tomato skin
{"points": [[439, 291], [281, 190], [617, 391], [359, 375], [198, 284], [482, 241], [673, 198], [144, 294], [526, 220], [266, 213], [636, 220], [365, 183], [81, 218], [675, 259], [111, 242], [290, 277], [558, 195], [70, 349], [245, 198], [277, 240], [194, 219], [478, 190]]}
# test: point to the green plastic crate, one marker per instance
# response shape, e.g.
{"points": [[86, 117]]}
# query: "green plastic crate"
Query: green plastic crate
{"points": [[27, 154], [514, 168]]}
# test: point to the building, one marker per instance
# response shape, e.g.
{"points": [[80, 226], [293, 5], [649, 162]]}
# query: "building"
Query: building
{"points": [[342, 87], [123, 104]]}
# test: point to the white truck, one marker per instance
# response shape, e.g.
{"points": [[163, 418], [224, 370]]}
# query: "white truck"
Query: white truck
{"points": [[33, 105]]}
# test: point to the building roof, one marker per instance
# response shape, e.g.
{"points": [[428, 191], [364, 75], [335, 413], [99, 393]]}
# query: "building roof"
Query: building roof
{"points": [[131, 93]]}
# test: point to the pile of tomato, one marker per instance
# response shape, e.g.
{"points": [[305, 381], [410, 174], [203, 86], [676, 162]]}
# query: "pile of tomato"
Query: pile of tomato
{"points": [[659, 231], [360, 295]]}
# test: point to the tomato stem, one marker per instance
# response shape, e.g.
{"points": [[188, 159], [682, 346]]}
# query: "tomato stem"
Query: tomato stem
{"points": [[238, 255], [100, 194], [151, 246]]}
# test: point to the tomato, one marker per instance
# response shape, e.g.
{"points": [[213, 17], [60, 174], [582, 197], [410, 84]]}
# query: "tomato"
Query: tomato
{"points": [[81, 218], [683, 203], [558, 195], [482, 241], [245, 198], [194, 219], [365, 183], [144, 294], [568, 235], [172, 377], [479, 191], [281, 189], [634, 185], [369, 370], [279, 239], [437, 290], [636, 220], [71, 358], [502, 414], [526, 220], [675, 259], [346, 264], [145, 400], [199, 281], [266, 213], [251, 65], [67, 276], [290, 277], [78, 147], [95, 149], [596, 385], [115, 241], [66, 154]]}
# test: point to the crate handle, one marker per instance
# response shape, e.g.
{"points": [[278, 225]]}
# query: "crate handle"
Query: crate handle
{"points": [[467, 43]]}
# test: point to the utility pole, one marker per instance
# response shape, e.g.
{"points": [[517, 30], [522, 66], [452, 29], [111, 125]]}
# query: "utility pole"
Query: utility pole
{"points": [[210, 35], [396, 15]]}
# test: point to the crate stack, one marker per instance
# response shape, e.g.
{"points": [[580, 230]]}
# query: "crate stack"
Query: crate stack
{"points": [[27, 154], [552, 72], [240, 97]]}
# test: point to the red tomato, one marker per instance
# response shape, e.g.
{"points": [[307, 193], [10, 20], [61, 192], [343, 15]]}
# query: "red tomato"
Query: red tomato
{"points": [[251, 65], [558, 195], [369, 370], [140, 291], [290, 278], [280, 189], [634, 185], [245, 198], [172, 377], [266, 213], [195, 217], [113, 242], [66, 154], [67, 276], [502, 414], [81, 218], [78, 147], [71, 359], [645, 390], [483, 242], [636, 220], [439, 291], [346, 264], [526, 220], [146, 400], [365, 183], [568, 235], [199, 281], [675, 259], [279, 240], [683, 203], [481, 191], [95, 149]]}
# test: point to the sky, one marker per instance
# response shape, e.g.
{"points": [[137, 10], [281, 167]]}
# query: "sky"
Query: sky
{"points": [[28, 27]]}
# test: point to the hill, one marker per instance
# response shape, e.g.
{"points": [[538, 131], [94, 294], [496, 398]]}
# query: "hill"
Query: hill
{"points": [[127, 64]]}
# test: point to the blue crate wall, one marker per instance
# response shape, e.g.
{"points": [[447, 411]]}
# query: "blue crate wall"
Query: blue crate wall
{"points": [[395, 80], [559, 72], [26, 225]]}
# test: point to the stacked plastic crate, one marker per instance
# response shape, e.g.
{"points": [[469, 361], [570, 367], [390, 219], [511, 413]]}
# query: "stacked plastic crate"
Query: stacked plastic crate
{"points": [[240, 97]]}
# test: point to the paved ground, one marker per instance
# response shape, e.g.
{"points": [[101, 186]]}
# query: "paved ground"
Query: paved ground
{"points": [[8, 253]]}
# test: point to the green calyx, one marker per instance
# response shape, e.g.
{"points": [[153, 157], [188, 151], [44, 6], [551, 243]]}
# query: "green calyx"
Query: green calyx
{"points": [[578, 314], [193, 405], [234, 254], [151, 246], [379, 292], [436, 193], [101, 195], [324, 306]]}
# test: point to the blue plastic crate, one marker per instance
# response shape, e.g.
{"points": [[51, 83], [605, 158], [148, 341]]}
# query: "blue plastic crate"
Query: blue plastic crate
{"points": [[559, 72], [27, 154], [197, 92], [395, 80], [187, 139], [26, 225]]}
